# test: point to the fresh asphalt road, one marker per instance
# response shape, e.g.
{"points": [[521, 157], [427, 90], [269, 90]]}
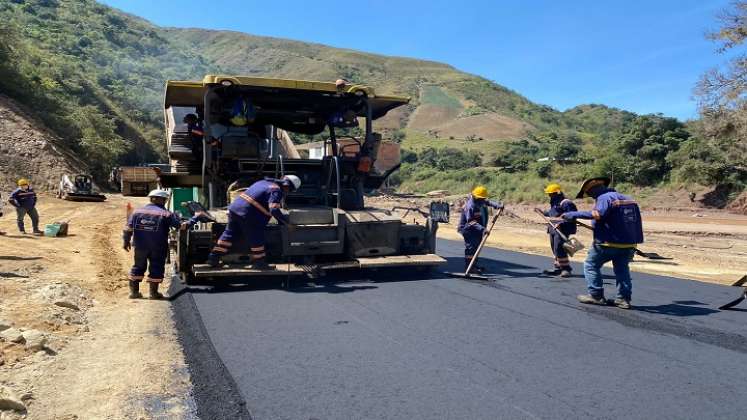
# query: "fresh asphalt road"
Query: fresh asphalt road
{"points": [[392, 346]]}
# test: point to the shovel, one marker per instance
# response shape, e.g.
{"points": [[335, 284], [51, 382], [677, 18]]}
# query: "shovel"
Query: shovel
{"points": [[571, 245], [649, 255], [467, 274], [740, 282]]}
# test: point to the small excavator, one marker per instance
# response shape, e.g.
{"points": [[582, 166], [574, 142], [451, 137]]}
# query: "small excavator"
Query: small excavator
{"points": [[78, 187]]}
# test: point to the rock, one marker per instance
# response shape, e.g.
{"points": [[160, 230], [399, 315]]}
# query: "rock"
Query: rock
{"points": [[67, 304], [4, 325], [12, 335], [9, 400], [35, 340]]}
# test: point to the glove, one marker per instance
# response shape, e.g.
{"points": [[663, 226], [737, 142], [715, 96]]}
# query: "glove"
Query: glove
{"points": [[126, 246], [185, 226]]}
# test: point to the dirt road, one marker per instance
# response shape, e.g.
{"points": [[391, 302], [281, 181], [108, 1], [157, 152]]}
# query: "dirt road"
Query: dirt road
{"points": [[105, 356], [709, 246]]}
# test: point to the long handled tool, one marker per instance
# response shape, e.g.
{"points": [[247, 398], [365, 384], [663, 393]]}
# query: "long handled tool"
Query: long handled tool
{"points": [[571, 245], [649, 255], [740, 282], [467, 274]]}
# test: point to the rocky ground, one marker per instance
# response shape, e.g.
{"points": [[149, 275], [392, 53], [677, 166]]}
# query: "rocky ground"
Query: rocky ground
{"points": [[72, 346]]}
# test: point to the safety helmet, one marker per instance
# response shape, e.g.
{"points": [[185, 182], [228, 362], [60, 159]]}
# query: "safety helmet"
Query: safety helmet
{"points": [[553, 189], [22, 182], [159, 193], [293, 180], [480, 192]]}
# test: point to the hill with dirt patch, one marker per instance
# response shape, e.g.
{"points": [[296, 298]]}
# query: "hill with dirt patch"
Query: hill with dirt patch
{"points": [[29, 150]]}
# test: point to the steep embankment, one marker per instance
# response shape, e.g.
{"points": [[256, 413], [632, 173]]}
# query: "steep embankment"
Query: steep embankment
{"points": [[28, 149]]}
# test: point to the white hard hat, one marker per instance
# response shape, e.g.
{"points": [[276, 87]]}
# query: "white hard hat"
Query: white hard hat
{"points": [[293, 180], [159, 193]]}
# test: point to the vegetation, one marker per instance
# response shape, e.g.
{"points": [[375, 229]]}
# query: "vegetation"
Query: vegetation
{"points": [[95, 76]]}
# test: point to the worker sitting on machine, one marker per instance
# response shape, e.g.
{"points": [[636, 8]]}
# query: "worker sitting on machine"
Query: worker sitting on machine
{"points": [[473, 221], [248, 215], [559, 205]]}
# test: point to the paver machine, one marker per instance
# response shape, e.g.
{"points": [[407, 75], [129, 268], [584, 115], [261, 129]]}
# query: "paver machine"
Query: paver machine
{"points": [[334, 229]]}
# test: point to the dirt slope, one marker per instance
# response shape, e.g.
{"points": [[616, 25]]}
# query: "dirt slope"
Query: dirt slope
{"points": [[30, 150]]}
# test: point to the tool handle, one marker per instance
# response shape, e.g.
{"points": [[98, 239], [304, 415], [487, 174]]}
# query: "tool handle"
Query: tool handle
{"points": [[555, 227], [584, 225]]}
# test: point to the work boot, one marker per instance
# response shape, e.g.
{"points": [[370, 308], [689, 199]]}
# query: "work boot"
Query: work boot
{"points": [[554, 272], [213, 261], [622, 303], [565, 273], [592, 300], [260, 264], [154, 291], [38, 232], [135, 290]]}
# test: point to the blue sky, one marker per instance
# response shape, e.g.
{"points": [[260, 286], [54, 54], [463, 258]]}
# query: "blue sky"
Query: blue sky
{"points": [[643, 56]]}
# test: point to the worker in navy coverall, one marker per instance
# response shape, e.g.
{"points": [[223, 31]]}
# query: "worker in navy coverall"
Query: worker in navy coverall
{"points": [[618, 229], [473, 222], [149, 227], [559, 205], [248, 215], [23, 199]]}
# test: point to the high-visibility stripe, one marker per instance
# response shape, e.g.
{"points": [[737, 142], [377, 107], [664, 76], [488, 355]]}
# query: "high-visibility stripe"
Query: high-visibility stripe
{"points": [[219, 249], [615, 245], [134, 277], [256, 204], [258, 248], [226, 243], [127, 229], [155, 280], [617, 203], [255, 257], [163, 213]]}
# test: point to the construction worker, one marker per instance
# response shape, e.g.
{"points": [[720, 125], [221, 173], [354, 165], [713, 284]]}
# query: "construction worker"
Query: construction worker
{"points": [[248, 215], [617, 230], [150, 226], [23, 199], [196, 134], [473, 221], [559, 205]]}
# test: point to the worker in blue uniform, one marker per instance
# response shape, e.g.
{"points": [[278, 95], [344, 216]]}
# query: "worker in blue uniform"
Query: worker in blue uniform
{"points": [[473, 222], [149, 227], [248, 215], [618, 229], [23, 199], [559, 205]]}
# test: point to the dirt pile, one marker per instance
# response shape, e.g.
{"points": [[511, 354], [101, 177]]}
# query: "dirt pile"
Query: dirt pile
{"points": [[739, 204], [28, 149]]}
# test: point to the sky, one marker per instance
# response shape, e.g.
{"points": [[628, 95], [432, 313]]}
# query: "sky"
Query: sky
{"points": [[641, 56]]}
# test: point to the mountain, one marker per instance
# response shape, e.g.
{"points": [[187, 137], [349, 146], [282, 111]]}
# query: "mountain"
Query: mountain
{"points": [[95, 75]]}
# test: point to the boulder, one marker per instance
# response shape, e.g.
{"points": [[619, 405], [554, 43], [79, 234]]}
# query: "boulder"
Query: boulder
{"points": [[12, 335], [4, 325], [35, 340], [67, 304], [10, 401]]}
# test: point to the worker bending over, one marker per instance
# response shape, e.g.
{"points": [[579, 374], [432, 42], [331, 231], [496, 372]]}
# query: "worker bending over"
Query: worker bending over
{"points": [[617, 230], [248, 215], [23, 199], [150, 225], [473, 221], [559, 205]]}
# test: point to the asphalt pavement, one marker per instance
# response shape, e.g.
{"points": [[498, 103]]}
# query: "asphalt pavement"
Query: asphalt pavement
{"points": [[395, 345]]}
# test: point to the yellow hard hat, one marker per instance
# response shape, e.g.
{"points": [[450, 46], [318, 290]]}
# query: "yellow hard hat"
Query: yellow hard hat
{"points": [[23, 181], [553, 188], [480, 192]]}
